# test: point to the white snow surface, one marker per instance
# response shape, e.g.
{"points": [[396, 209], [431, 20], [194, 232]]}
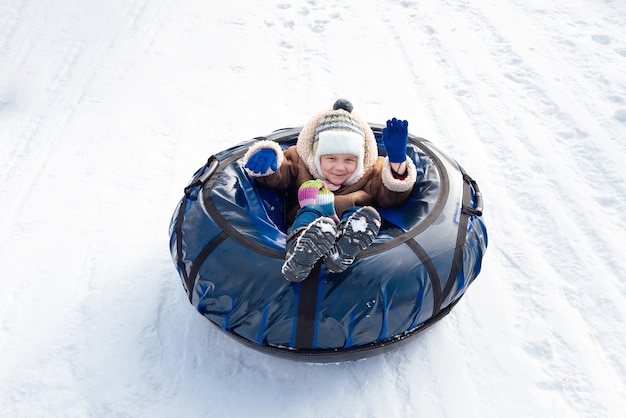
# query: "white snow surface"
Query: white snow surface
{"points": [[108, 107]]}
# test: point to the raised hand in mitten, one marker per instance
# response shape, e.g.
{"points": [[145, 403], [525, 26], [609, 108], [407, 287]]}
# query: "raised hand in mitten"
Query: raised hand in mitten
{"points": [[262, 160], [395, 137]]}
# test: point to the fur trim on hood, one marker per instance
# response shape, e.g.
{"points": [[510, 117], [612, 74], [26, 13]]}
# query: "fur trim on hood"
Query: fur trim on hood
{"points": [[306, 141]]}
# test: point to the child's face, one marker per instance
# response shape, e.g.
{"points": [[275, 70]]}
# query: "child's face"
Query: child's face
{"points": [[337, 168]]}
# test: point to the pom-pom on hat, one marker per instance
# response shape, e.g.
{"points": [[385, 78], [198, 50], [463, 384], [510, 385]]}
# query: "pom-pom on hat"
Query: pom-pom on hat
{"points": [[339, 133]]}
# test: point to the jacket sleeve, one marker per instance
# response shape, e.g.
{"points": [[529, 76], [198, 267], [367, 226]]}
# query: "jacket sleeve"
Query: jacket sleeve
{"points": [[290, 173], [265, 144], [388, 191], [399, 185]]}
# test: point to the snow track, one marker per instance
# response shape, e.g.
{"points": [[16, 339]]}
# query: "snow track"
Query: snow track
{"points": [[107, 108]]}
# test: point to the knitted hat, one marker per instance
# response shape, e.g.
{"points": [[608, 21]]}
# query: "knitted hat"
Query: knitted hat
{"points": [[339, 133], [309, 142]]}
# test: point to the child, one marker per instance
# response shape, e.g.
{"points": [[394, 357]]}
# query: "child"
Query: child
{"points": [[335, 168]]}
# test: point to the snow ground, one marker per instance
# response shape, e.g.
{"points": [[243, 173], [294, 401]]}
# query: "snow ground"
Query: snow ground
{"points": [[107, 108]]}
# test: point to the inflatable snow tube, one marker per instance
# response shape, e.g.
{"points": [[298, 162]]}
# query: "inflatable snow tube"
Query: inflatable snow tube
{"points": [[227, 240]]}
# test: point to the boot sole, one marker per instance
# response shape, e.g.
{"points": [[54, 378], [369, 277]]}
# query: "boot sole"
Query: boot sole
{"points": [[359, 232], [311, 245]]}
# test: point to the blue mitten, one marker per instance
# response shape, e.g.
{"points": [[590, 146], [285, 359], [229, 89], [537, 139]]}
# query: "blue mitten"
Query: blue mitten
{"points": [[262, 160], [395, 137]]}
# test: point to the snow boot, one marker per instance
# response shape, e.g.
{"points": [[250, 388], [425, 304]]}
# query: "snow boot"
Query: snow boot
{"points": [[306, 247], [356, 233]]}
